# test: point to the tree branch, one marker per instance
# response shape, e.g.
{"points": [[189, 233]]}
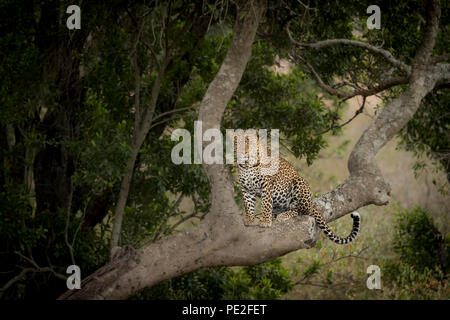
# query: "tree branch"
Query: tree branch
{"points": [[389, 83], [66, 229], [333, 260], [357, 112], [172, 211], [171, 111], [441, 58], [426, 47], [24, 272], [12, 281]]}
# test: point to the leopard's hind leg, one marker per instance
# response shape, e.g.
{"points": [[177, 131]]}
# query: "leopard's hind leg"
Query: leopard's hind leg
{"points": [[292, 211], [300, 201]]}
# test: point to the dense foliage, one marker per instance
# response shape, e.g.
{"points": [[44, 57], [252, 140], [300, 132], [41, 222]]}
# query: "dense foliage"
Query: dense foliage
{"points": [[264, 281], [427, 133], [420, 269]]}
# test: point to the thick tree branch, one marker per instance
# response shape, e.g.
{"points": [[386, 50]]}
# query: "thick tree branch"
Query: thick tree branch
{"points": [[441, 58], [425, 50]]}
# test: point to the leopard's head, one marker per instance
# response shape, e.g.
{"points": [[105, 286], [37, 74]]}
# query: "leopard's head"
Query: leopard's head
{"points": [[246, 147]]}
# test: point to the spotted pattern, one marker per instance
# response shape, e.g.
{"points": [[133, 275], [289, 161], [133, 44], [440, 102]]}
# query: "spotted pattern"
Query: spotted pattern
{"points": [[283, 195]]}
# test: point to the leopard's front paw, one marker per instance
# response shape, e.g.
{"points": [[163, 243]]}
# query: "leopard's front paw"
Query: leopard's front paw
{"points": [[265, 223], [250, 221], [283, 217]]}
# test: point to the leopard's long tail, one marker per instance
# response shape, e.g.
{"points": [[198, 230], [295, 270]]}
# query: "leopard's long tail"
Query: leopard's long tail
{"points": [[330, 234]]}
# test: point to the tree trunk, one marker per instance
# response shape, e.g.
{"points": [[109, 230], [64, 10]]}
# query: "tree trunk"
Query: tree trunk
{"points": [[142, 126], [122, 201]]}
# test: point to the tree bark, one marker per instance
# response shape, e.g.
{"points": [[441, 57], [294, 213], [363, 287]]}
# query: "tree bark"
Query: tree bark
{"points": [[122, 201], [221, 239]]}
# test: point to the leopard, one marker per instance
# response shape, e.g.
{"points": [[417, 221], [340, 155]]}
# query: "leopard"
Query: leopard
{"points": [[284, 194]]}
